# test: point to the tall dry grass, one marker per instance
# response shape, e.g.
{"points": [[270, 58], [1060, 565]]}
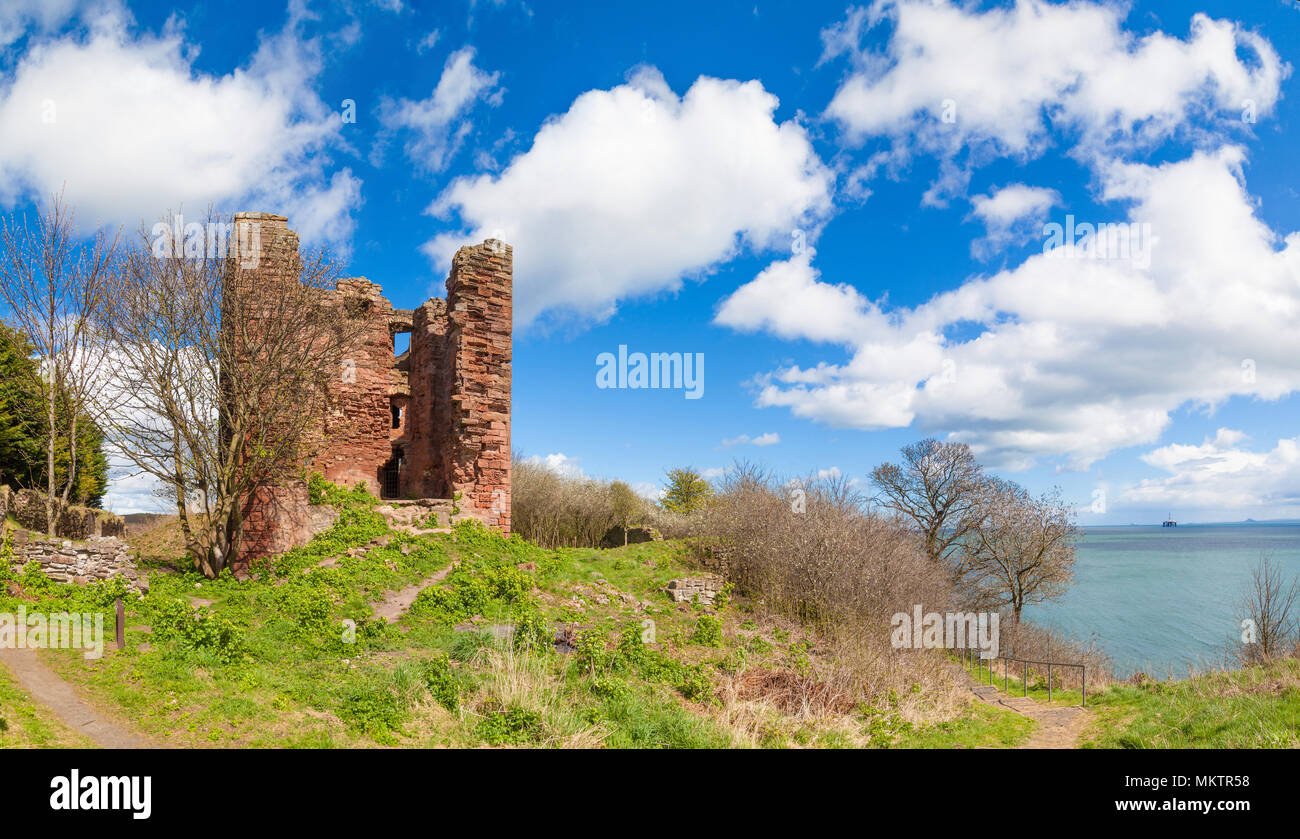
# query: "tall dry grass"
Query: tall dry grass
{"points": [[827, 560], [559, 511]]}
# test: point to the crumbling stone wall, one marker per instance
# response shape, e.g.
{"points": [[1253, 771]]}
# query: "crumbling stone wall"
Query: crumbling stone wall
{"points": [[27, 506], [279, 517], [79, 561], [475, 434], [705, 588], [356, 442], [430, 423], [460, 380]]}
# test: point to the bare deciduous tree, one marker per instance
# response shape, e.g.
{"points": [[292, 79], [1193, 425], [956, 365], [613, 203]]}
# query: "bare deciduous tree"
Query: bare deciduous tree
{"points": [[937, 487], [1269, 602], [54, 285], [225, 373], [1021, 549]]}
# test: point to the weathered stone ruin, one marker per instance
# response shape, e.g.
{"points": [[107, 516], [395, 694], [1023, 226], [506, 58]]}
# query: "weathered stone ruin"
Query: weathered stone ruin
{"points": [[688, 589], [618, 536], [84, 561], [430, 423], [73, 521]]}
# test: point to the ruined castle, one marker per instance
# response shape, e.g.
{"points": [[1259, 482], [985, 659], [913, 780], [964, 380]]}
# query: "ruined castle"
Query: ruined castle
{"points": [[432, 422]]}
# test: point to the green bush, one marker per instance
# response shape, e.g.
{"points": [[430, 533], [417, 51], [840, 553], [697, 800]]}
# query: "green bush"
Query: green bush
{"points": [[512, 726], [708, 631], [192, 630], [442, 683], [532, 631], [375, 710], [7, 557]]}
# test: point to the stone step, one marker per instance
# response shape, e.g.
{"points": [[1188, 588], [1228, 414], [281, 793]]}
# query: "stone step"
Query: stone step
{"points": [[421, 513], [418, 502]]}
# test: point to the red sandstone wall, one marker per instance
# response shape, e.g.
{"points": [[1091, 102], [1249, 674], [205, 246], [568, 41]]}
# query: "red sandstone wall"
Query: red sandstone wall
{"points": [[357, 440], [275, 520], [273, 515], [425, 475], [475, 438], [455, 388]]}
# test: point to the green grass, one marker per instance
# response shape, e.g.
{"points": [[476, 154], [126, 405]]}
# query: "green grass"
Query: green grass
{"points": [[265, 662], [270, 663], [1257, 707], [984, 727]]}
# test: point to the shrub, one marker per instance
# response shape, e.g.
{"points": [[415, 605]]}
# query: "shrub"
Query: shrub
{"points": [[815, 551], [442, 683], [7, 557], [532, 631], [375, 710], [708, 631], [194, 630], [513, 726], [555, 511]]}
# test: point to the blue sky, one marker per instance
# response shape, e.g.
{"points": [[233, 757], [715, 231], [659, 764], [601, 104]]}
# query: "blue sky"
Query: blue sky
{"points": [[840, 207]]}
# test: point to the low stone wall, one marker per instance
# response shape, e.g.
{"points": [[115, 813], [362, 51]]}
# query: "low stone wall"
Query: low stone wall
{"points": [[27, 506], [617, 537], [687, 589], [95, 558]]}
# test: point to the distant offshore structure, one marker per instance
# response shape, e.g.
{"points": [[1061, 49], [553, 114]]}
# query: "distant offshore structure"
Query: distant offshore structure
{"points": [[1169, 522]]}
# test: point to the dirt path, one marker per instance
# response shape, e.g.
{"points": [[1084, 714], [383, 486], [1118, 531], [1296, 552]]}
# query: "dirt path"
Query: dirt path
{"points": [[1058, 727], [396, 603], [50, 690]]}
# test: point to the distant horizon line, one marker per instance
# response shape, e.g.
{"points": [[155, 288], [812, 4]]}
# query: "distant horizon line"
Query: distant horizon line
{"points": [[1292, 520]]}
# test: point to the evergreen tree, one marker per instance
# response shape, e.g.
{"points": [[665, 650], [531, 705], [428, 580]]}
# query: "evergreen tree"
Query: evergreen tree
{"points": [[22, 431]]}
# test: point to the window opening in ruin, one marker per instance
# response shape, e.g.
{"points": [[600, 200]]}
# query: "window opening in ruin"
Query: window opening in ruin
{"points": [[397, 417]]}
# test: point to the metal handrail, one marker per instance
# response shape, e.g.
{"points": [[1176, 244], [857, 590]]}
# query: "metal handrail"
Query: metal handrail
{"points": [[971, 653]]}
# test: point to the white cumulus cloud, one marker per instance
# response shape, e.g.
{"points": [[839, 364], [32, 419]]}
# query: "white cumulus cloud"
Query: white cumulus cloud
{"points": [[437, 123], [559, 463], [133, 129], [1060, 357], [1223, 474], [1014, 213], [995, 82], [634, 188]]}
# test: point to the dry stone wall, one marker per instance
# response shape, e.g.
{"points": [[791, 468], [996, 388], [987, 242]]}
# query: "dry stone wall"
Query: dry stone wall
{"points": [[80, 561], [27, 507]]}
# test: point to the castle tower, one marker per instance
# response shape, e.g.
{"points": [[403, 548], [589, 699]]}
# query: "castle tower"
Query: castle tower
{"points": [[432, 422]]}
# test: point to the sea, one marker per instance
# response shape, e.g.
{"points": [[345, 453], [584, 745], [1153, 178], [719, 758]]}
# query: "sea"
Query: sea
{"points": [[1164, 600]]}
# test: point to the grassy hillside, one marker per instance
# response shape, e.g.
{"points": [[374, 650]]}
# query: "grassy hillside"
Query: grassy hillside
{"points": [[473, 662]]}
